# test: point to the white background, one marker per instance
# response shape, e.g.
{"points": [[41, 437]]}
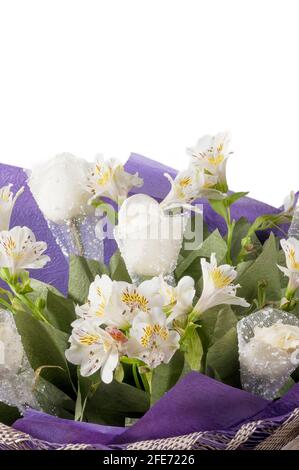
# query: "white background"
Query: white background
{"points": [[151, 77]]}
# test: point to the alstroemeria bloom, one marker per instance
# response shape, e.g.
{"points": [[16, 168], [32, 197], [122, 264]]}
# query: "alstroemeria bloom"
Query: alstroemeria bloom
{"points": [[291, 249], [93, 348], [289, 203], [109, 179], [116, 302], [177, 301], [211, 154], [189, 185], [151, 340], [7, 202], [218, 287], [19, 250]]}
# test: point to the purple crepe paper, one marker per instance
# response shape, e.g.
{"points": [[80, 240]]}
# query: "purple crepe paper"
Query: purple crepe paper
{"points": [[62, 431], [194, 404]]}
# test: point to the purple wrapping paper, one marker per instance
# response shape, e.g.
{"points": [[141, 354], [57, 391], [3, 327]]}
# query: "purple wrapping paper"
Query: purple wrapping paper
{"points": [[197, 402]]}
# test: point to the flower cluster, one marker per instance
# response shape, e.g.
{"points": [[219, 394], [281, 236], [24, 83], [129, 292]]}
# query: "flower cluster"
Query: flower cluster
{"points": [[206, 175], [141, 322]]}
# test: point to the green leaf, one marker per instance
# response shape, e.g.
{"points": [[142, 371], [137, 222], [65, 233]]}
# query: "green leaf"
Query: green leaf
{"points": [[223, 357], [60, 312], [118, 268], [81, 275], [240, 231], [166, 376], [52, 399], [112, 403], [243, 267], [192, 346], [226, 320], [45, 346], [191, 264], [215, 323], [220, 207], [40, 290], [286, 388], [264, 268], [8, 414], [232, 198]]}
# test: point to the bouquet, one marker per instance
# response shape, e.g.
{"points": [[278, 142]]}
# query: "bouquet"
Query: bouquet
{"points": [[177, 295]]}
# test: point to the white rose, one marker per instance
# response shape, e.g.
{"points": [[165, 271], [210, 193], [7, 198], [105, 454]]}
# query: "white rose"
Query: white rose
{"points": [[59, 187], [149, 240], [273, 351]]}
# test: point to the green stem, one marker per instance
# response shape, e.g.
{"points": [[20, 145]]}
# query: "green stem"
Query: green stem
{"points": [[76, 237], [291, 302], [135, 375], [145, 383], [6, 305], [230, 231], [34, 309]]}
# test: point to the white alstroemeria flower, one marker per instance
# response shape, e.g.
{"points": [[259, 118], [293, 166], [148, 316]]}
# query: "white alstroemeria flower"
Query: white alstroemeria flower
{"points": [[211, 154], [187, 186], [291, 249], [7, 202], [151, 340], [218, 287], [19, 250], [289, 203], [109, 179], [177, 301], [116, 302], [93, 348], [59, 187]]}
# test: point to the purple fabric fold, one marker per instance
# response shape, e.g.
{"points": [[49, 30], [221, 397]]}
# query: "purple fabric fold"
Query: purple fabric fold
{"points": [[63, 431], [196, 403]]}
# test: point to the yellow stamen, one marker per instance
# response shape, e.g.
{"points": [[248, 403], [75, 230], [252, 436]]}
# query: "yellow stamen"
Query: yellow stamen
{"points": [[216, 160], [220, 279], [89, 340], [150, 331], [10, 244], [4, 196], [134, 300], [104, 176], [186, 181], [292, 259]]}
